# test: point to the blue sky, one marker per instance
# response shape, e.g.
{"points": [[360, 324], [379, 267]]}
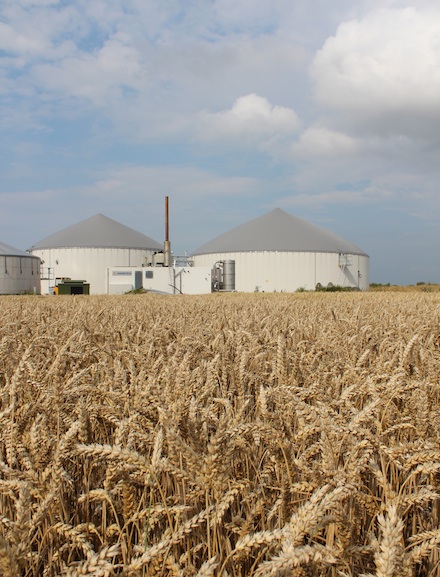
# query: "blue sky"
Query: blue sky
{"points": [[328, 110]]}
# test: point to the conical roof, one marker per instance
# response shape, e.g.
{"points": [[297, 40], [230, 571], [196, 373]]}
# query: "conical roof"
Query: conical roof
{"points": [[279, 231], [8, 250], [98, 231]]}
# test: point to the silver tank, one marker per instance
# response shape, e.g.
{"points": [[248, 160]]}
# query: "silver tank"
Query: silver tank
{"points": [[228, 275]]}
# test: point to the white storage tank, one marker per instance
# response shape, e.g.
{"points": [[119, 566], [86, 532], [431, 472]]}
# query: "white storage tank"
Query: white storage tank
{"points": [[281, 252], [19, 271], [86, 250]]}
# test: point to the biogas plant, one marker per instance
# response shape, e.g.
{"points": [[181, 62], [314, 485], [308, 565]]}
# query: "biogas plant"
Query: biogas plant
{"points": [[276, 252]]}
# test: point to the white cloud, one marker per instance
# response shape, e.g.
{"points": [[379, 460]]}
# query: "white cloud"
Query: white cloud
{"points": [[248, 14], [381, 73], [93, 76], [251, 118], [32, 3], [129, 59], [186, 182], [368, 195], [321, 141], [16, 42]]}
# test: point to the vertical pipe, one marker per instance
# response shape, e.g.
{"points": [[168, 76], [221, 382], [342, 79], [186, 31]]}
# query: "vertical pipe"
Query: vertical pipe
{"points": [[167, 232], [167, 245]]}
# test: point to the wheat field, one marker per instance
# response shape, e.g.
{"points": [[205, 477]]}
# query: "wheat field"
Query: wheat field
{"points": [[224, 435]]}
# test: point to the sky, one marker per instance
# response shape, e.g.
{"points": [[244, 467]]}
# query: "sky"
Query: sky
{"points": [[328, 110]]}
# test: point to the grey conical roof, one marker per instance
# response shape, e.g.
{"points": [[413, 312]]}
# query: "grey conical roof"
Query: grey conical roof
{"points": [[98, 231], [8, 250], [278, 231]]}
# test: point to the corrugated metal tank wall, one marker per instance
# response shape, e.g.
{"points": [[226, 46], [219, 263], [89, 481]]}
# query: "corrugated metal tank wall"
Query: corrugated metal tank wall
{"points": [[289, 271], [89, 264], [19, 274]]}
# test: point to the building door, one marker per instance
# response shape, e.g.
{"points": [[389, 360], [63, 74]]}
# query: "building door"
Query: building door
{"points": [[137, 279]]}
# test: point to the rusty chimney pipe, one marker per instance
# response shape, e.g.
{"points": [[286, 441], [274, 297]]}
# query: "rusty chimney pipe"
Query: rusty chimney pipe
{"points": [[167, 231], [167, 244]]}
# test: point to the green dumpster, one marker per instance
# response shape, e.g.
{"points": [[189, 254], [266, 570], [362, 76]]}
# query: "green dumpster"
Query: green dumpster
{"points": [[73, 287]]}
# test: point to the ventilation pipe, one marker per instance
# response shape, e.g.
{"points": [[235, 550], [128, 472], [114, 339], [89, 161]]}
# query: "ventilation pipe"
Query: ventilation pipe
{"points": [[167, 244]]}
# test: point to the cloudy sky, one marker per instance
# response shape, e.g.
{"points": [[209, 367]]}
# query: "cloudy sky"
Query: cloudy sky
{"points": [[328, 110]]}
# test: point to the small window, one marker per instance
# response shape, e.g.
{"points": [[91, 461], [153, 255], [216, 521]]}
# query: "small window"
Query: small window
{"points": [[148, 274]]}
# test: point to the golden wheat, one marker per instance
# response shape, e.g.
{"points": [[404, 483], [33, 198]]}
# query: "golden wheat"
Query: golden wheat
{"points": [[230, 435]]}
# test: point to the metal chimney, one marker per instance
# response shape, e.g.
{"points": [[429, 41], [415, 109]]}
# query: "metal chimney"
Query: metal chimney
{"points": [[166, 244]]}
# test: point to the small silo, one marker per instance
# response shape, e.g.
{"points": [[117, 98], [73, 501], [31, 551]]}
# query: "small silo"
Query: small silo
{"points": [[85, 251], [281, 252], [19, 271]]}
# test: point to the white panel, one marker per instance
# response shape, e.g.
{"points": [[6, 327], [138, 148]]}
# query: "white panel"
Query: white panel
{"points": [[290, 271], [193, 280], [120, 289], [161, 281]]}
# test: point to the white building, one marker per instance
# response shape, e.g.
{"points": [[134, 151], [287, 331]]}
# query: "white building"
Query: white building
{"points": [[86, 250], [19, 271], [186, 280], [280, 252]]}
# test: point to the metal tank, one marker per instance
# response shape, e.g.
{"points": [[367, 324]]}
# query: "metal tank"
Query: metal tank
{"points": [[19, 271], [229, 275], [223, 276]]}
